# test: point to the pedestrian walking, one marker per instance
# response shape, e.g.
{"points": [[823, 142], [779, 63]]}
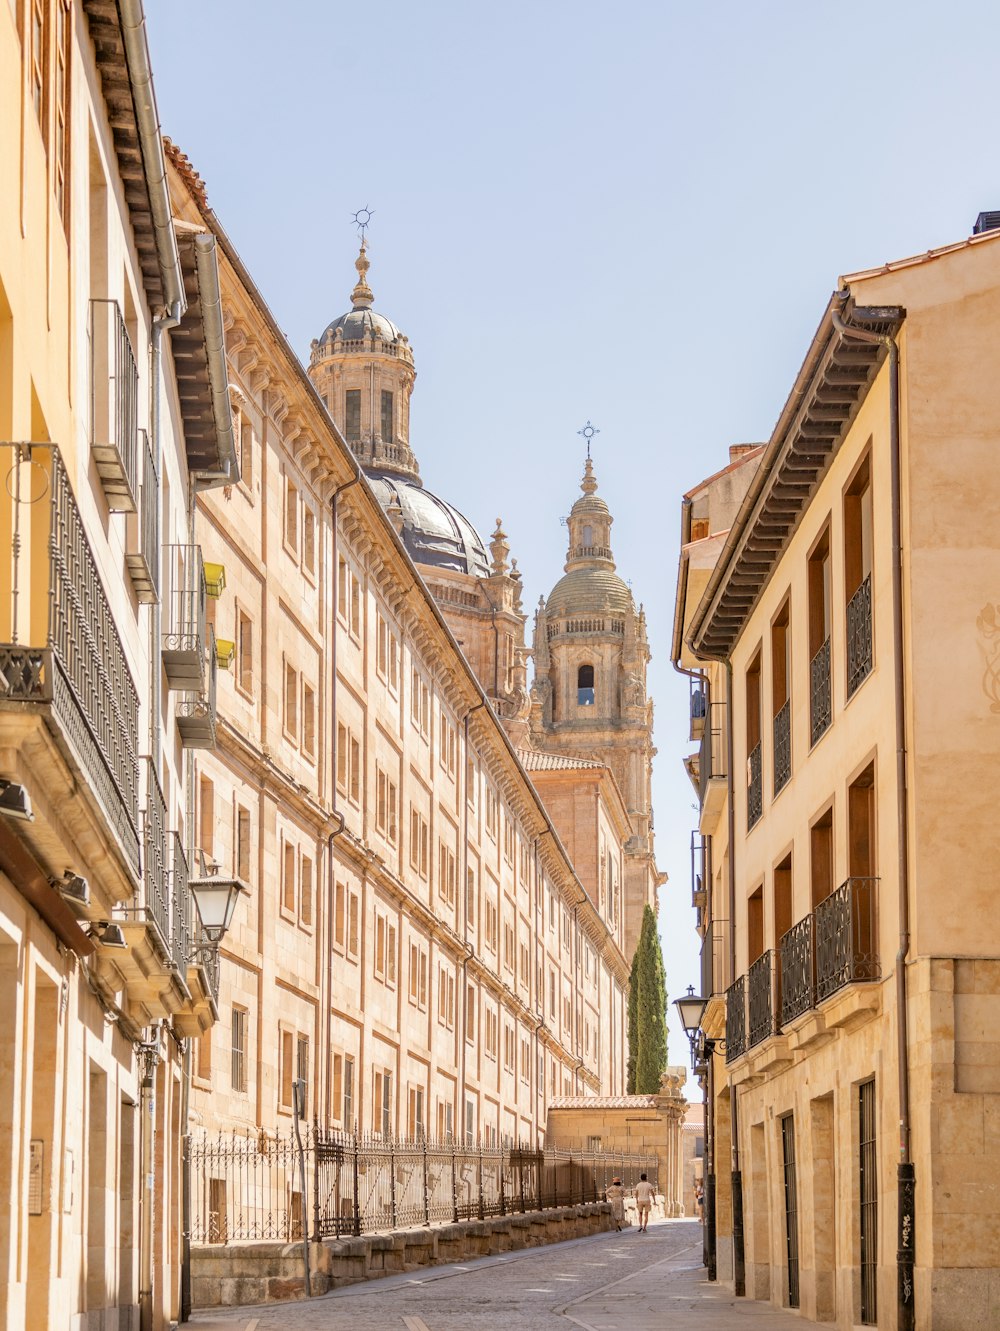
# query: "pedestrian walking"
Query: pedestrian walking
{"points": [[615, 1194], [644, 1194], [699, 1200]]}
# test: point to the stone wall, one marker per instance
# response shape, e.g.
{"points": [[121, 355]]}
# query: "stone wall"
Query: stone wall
{"points": [[227, 1275]]}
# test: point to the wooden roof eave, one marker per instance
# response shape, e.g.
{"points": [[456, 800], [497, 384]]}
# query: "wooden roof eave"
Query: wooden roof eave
{"points": [[827, 394]]}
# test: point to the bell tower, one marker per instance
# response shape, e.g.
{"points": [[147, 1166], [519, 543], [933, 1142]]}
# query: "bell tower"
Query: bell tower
{"points": [[588, 697]]}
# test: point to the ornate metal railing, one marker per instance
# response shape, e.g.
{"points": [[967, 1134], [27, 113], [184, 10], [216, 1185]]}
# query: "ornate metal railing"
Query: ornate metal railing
{"points": [[71, 657], [798, 970], [755, 787], [156, 894], [760, 1001], [699, 870], [859, 636], [712, 751], [114, 405], [782, 746], [736, 1019], [184, 622], [144, 561], [847, 937], [196, 712], [248, 1187], [820, 697], [715, 977], [180, 904]]}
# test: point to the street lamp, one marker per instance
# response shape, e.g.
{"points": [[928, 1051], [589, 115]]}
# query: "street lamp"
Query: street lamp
{"points": [[691, 1010], [215, 900]]}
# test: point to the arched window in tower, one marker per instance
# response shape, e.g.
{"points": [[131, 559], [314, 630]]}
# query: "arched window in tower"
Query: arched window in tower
{"points": [[585, 686], [387, 416], [588, 535]]}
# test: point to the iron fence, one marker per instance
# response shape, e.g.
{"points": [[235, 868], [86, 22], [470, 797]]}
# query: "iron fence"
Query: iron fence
{"points": [[247, 1187], [736, 1019], [820, 697], [798, 970], [847, 937], [859, 636], [76, 661]]}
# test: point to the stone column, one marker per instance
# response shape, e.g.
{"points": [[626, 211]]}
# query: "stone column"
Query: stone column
{"points": [[670, 1105]]}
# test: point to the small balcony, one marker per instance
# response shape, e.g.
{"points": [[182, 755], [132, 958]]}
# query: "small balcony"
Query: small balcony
{"points": [[736, 1019], [783, 746], [761, 983], [63, 664], [847, 937], [184, 639], [755, 788], [859, 637], [713, 768], [698, 706], [798, 970], [143, 556], [820, 697], [715, 975], [196, 712], [114, 405], [699, 870]]}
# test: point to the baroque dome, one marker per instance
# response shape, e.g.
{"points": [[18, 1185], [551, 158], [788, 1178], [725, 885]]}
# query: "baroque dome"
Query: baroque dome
{"points": [[434, 532], [589, 591], [359, 323]]}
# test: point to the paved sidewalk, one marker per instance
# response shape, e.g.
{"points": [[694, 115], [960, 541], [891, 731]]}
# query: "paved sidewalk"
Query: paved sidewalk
{"points": [[606, 1282]]}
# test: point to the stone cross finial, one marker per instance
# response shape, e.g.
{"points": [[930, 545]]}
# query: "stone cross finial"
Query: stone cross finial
{"points": [[362, 296]]}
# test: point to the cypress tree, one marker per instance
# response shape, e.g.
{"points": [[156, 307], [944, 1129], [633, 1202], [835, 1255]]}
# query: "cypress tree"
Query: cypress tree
{"points": [[647, 1012]]}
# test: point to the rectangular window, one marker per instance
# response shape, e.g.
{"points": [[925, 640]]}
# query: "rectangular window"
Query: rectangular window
{"points": [[308, 540], [491, 812], [781, 706], [245, 444], [244, 651], [339, 916], [419, 842], [386, 806], [491, 1021], [525, 967], [420, 702], [302, 1070], [567, 1015], [508, 945], [508, 839], [353, 926], [306, 891], [525, 1060], [382, 1102], [868, 1198], [418, 976], [291, 702], [60, 109], [820, 698], [291, 516], [206, 817], [791, 1208], [239, 1051], [355, 791], [446, 1121], [288, 878], [821, 856], [415, 1113], [347, 1113], [37, 41], [308, 721], [858, 576], [242, 839], [286, 1068], [385, 950], [470, 897], [338, 1083], [509, 1048], [491, 923], [470, 1122], [387, 654], [552, 993], [446, 873], [387, 416], [470, 1013], [343, 757], [449, 744], [446, 996], [352, 414]]}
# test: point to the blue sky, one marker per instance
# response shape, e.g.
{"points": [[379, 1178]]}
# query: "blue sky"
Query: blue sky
{"points": [[631, 213]]}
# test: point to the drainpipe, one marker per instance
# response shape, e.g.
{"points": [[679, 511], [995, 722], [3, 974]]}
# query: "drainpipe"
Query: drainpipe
{"points": [[905, 1176], [739, 1251], [149, 1056]]}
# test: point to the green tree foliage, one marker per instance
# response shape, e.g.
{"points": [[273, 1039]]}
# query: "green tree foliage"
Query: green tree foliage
{"points": [[647, 1012]]}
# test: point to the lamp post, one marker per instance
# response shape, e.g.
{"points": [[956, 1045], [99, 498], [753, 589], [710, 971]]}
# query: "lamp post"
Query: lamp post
{"points": [[691, 1010], [215, 901]]}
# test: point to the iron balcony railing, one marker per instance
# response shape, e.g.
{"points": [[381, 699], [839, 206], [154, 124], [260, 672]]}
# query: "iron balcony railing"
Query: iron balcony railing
{"points": [[847, 937], [249, 1187], [114, 405], [798, 970], [736, 1019], [715, 969], [820, 698], [59, 644], [156, 892], [755, 787], [698, 705], [196, 712], [761, 999], [699, 870], [712, 752], [144, 560], [782, 746], [180, 905], [184, 627], [859, 636]]}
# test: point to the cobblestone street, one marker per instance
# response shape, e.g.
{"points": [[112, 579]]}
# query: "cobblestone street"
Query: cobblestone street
{"points": [[608, 1282]]}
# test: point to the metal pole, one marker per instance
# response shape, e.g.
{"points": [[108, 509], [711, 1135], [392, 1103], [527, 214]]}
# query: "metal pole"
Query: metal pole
{"points": [[298, 1098], [427, 1208], [392, 1184], [357, 1206]]}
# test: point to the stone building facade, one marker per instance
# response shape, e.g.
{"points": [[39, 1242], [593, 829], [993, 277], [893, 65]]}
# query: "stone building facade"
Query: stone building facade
{"points": [[112, 411], [417, 947], [850, 599]]}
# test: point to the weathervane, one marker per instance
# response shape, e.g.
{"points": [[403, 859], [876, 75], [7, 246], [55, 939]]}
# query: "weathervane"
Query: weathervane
{"points": [[361, 219], [588, 433]]}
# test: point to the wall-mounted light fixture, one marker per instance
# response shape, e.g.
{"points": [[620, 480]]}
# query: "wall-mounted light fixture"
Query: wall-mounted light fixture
{"points": [[15, 801]]}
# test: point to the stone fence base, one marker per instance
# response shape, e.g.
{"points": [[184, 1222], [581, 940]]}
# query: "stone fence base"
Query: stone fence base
{"points": [[238, 1273]]}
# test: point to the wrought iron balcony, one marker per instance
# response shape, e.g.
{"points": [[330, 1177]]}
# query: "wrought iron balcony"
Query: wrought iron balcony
{"points": [[755, 788], [715, 973], [847, 937], [196, 712], [699, 869], [736, 1019], [114, 405], [60, 650], [712, 752], [143, 560], [798, 970], [760, 985], [180, 905], [156, 896], [859, 636], [820, 697], [184, 627], [698, 706], [783, 746]]}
